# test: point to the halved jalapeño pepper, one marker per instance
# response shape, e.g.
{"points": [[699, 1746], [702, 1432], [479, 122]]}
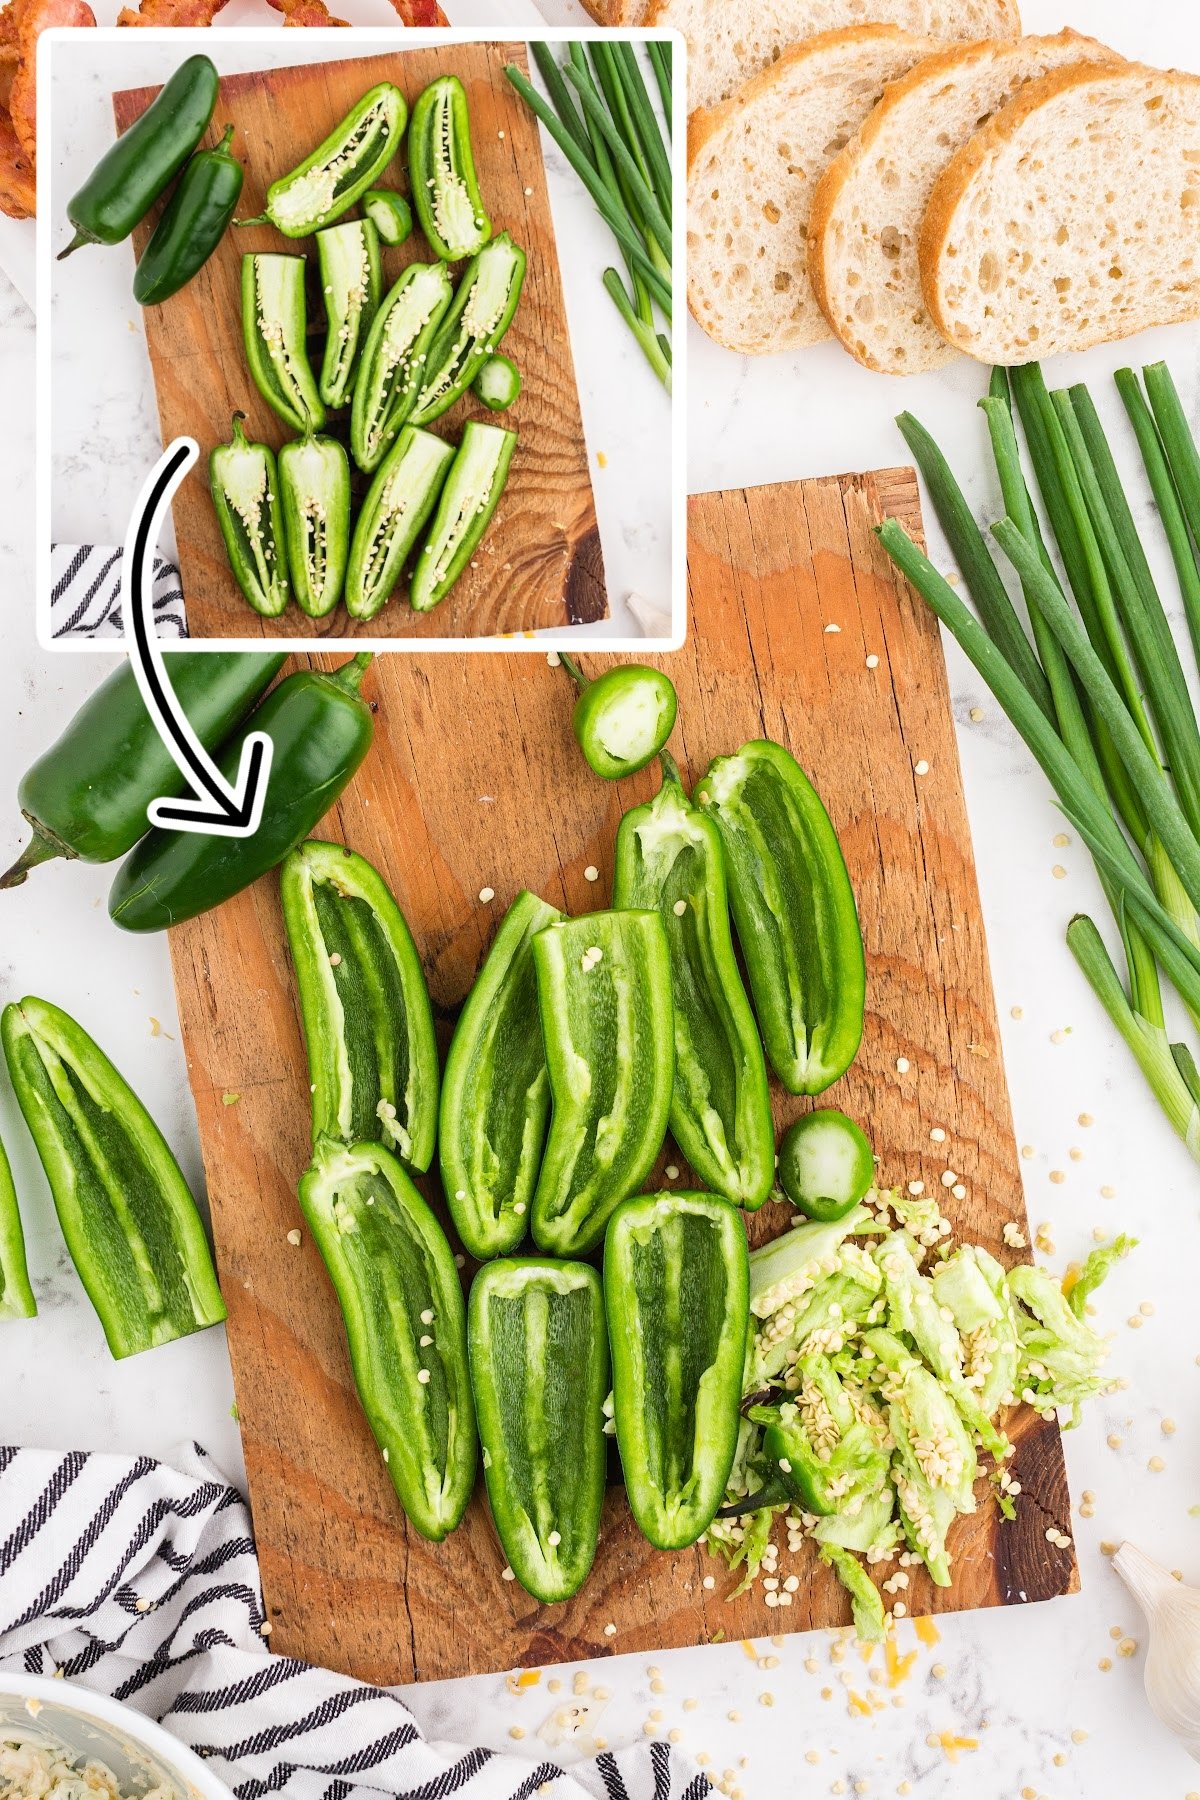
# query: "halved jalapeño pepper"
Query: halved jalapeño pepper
{"points": [[314, 488], [368, 1023], [540, 1374], [496, 1091], [351, 281], [244, 480], [669, 858], [274, 327], [394, 356], [483, 308], [604, 994], [130, 1223], [394, 514], [398, 1288], [351, 159], [16, 1295], [471, 495], [794, 911], [442, 167], [677, 1292]]}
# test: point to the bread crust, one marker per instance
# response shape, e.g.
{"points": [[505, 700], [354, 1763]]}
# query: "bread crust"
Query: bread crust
{"points": [[610, 12], [952, 60], [954, 180], [707, 123]]}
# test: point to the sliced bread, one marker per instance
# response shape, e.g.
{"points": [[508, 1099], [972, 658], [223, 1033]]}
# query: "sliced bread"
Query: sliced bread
{"points": [[1072, 218], [753, 165], [730, 40], [867, 211]]}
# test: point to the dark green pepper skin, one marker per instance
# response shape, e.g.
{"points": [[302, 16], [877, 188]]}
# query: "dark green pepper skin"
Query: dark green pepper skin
{"points": [[395, 512], [496, 1092], [145, 160], [243, 479], [484, 303], [321, 728], [16, 1296], [349, 161], [604, 995], [314, 492], [398, 1287], [677, 1294], [442, 171], [390, 214], [130, 1222], [275, 335], [669, 858], [794, 911], [86, 796], [540, 1375], [368, 1022], [193, 224], [470, 496]]}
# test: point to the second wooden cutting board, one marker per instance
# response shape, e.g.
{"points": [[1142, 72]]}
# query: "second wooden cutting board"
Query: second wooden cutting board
{"points": [[540, 563], [475, 784]]}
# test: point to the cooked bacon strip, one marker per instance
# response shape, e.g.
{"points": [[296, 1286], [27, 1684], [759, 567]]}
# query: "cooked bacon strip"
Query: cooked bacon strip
{"points": [[34, 17], [420, 12], [171, 12], [18, 191], [306, 12]]}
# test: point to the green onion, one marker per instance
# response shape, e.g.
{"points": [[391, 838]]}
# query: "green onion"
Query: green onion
{"points": [[602, 119], [1162, 483]]}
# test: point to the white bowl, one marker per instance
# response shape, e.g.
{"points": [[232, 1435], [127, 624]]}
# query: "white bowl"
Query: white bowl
{"points": [[140, 1753]]}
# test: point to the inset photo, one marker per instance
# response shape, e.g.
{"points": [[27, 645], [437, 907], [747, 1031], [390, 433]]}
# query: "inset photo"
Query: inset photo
{"points": [[413, 308]]}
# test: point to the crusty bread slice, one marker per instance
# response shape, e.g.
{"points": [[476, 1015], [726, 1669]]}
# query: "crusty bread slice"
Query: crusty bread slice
{"points": [[1073, 218], [866, 215], [728, 41], [753, 164], [617, 12]]}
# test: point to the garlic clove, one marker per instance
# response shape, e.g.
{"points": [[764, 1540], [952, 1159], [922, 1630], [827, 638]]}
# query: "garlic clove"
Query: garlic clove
{"points": [[1173, 1657]]}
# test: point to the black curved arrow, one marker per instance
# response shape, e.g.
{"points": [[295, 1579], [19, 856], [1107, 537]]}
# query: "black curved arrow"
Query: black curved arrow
{"points": [[217, 806]]}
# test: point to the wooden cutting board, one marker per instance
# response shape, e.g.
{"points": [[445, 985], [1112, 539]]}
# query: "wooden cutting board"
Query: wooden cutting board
{"points": [[540, 563], [475, 783]]}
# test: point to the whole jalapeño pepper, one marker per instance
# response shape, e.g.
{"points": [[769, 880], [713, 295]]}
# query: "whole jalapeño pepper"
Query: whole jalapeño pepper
{"points": [[244, 481], [794, 911], [349, 161], [604, 994], [484, 304], [474, 484], [677, 1293], [351, 281], [540, 1375], [274, 329], [130, 1223], [398, 1288], [86, 796], [496, 1091], [368, 1023], [192, 225], [669, 858], [314, 492], [442, 169], [321, 729]]}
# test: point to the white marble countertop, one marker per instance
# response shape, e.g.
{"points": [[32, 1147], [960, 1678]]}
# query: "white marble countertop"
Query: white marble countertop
{"points": [[103, 428], [1019, 1684]]}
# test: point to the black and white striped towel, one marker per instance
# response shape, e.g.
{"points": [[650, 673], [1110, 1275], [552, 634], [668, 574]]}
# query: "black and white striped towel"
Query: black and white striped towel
{"points": [[85, 593], [141, 1581]]}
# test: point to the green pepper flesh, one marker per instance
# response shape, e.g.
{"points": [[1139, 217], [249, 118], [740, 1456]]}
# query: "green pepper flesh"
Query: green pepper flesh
{"points": [[540, 1374], [352, 282], [471, 494], [483, 309], [677, 1293], [396, 510], [441, 163], [394, 356], [390, 214], [349, 161], [243, 479], [16, 1296], [398, 1287], [314, 491], [274, 330]]}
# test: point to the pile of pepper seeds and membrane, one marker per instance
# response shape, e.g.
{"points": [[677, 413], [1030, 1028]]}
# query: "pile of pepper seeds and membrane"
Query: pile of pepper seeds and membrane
{"points": [[848, 1373], [399, 361]]}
